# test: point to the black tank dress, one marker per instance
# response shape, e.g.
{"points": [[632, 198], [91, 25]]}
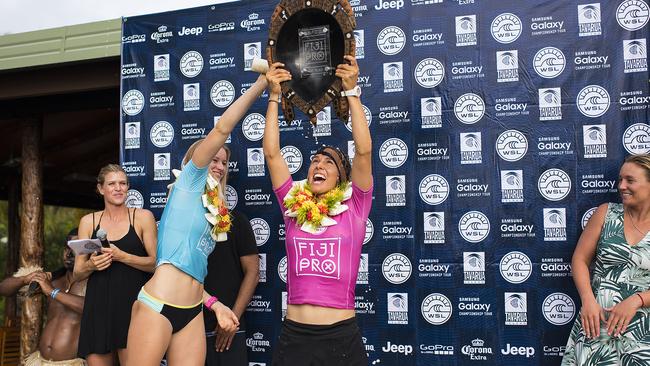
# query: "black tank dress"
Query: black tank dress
{"points": [[109, 296]]}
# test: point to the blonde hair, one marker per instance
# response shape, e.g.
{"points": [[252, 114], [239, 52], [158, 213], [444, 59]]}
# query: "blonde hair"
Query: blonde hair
{"points": [[105, 170], [642, 160], [223, 181]]}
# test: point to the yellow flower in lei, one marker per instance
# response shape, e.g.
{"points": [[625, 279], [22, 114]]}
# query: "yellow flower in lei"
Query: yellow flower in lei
{"points": [[313, 214]]}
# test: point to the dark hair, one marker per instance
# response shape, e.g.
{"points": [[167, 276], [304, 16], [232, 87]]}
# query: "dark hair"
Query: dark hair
{"points": [[342, 161]]}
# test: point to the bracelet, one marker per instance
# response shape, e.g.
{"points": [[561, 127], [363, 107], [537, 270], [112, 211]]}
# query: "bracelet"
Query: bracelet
{"points": [[210, 301], [641, 297], [54, 293], [274, 101]]}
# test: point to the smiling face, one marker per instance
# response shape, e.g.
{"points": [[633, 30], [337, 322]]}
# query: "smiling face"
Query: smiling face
{"points": [[633, 184], [218, 167], [114, 188], [323, 174]]}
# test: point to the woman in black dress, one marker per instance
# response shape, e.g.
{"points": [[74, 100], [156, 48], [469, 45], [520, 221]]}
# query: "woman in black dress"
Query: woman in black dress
{"points": [[118, 273]]}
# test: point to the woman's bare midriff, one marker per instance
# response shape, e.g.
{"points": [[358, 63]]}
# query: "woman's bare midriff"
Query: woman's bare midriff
{"points": [[174, 286], [319, 315]]}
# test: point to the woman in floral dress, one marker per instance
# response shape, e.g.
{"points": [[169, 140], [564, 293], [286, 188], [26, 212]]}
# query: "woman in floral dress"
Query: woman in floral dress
{"points": [[614, 323]]}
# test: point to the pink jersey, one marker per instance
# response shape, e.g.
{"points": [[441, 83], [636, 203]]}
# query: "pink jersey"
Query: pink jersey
{"points": [[322, 268]]}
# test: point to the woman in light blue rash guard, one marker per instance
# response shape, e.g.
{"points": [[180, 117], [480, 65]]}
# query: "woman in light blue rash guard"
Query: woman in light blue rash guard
{"points": [[167, 318]]}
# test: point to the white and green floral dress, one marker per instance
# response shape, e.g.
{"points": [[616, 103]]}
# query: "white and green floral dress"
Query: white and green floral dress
{"points": [[620, 271]]}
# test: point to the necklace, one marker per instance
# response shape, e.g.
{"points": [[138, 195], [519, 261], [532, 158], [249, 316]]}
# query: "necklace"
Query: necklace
{"points": [[313, 213], [634, 225]]}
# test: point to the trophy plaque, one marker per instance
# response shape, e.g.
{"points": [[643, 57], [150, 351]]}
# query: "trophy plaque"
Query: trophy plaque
{"points": [[310, 37]]}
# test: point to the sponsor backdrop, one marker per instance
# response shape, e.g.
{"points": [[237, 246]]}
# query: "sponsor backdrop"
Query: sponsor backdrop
{"points": [[498, 126]]}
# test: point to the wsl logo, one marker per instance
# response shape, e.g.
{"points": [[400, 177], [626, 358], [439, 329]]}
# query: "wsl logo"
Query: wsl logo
{"points": [[132, 135], [589, 18], [554, 184], [370, 231], [434, 189], [436, 309], [549, 62], [393, 153], [366, 112], [586, 216], [593, 101], [162, 134], [362, 274], [191, 97], [398, 307], [632, 14], [191, 64], [511, 145], [466, 30], [474, 226], [554, 224], [323, 126], [395, 190], [132, 102], [391, 40], [507, 66], [161, 67], [429, 73], [636, 138], [594, 139], [558, 308], [231, 197], [293, 157], [251, 52], [471, 148], [282, 269], [506, 28], [161, 166], [434, 227], [516, 308], [134, 199], [469, 108], [550, 104], [396, 268], [515, 267], [635, 55], [222, 93], [431, 112], [261, 230], [253, 127], [512, 186], [359, 42], [474, 268], [255, 162], [393, 77]]}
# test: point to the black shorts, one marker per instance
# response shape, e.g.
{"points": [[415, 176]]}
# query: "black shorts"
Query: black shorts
{"points": [[315, 345], [236, 356]]}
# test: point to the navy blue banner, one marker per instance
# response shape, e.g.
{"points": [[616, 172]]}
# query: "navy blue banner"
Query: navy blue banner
{"points": [[498, 127]]}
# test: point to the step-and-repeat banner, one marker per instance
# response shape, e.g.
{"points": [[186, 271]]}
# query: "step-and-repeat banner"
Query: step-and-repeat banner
{"points": [[498, 127]]}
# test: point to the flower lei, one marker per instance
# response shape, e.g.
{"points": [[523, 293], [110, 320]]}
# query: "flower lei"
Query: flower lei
{"points": [[313, 214], [218, 215]]}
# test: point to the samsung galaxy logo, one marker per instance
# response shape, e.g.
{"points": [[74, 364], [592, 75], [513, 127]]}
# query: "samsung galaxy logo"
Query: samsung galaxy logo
{"points": [[425, 37], [132, 71], [546, 25], [132, 169], [429, 73], [588, 60], [555, 267], [506, 28], [593, 101], [632, 14]]}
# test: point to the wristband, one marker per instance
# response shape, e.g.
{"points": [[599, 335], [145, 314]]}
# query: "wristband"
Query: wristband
{"points": [[210, 301], [54, 293], [641, 297], [274, 101]]}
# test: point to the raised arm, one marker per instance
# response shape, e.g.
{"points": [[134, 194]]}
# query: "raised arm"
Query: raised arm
{"points": [[362, 163], [218, 135], [271, 143], [591, 313]]}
